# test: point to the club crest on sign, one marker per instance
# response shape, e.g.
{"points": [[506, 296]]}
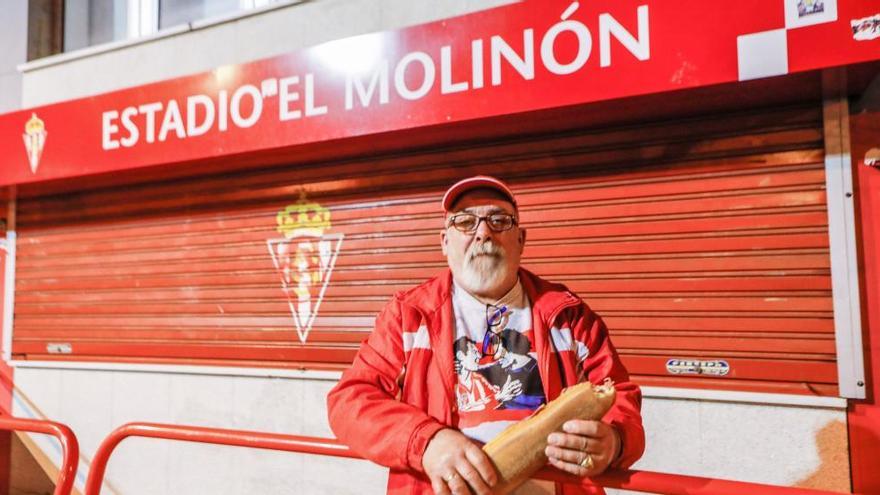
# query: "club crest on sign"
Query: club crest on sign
{"points": [[34, 140], [304, 258]]}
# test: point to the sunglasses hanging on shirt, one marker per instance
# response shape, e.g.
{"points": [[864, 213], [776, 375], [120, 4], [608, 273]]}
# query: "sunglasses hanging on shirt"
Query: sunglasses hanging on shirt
{"points": [[495, 316]]}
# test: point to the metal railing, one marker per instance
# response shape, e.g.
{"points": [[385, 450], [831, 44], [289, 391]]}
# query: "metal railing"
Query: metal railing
{"points": [[69, 446], [643, 481]]}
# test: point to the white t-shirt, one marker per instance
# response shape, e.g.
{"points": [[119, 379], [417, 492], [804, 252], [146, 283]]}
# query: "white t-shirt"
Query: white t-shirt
{"points": [[498, 379]]}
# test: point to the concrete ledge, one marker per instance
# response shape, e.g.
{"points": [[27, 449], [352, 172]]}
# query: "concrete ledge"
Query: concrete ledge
{"points": [[648, 392]]}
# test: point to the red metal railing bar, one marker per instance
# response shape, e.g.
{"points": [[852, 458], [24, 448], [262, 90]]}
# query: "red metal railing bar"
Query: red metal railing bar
{"points": [[674, 484], [198, 434], [644, 481], [69, 446]]}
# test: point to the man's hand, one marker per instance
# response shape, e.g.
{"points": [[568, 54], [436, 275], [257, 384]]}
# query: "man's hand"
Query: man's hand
{"points": [[457, 465], [583, 448]]}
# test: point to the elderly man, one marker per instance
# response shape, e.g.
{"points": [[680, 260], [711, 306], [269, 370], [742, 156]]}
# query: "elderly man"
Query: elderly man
{"points": [[455, 360]]}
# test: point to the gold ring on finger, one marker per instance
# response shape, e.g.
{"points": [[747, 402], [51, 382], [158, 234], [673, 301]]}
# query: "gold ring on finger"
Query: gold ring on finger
{"points": [[449, 477], [587, 462]]}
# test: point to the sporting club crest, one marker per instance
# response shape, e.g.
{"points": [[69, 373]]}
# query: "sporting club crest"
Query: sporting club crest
{"points": [[34, 140], [304, 258]]}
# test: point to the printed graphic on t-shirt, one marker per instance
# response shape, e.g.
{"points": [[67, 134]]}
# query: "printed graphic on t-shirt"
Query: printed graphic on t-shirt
{"points": [[506, 379], [498, 378]]}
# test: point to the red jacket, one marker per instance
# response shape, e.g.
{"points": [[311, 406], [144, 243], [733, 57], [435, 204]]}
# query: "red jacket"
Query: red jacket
{"points": [[399, 391]]}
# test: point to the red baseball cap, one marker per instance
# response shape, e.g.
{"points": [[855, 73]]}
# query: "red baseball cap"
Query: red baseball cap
{"points": [[476, 182]]}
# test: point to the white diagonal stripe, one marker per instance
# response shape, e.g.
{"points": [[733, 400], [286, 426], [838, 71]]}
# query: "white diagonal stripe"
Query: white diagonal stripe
{"points": [[562, 340], [416, 340]]}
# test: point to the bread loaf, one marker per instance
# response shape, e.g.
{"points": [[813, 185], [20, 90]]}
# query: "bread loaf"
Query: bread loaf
{"points": [[518, 451]]}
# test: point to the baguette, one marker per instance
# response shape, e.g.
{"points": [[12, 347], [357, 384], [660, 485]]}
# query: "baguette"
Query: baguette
{"points": [[518, 451]]}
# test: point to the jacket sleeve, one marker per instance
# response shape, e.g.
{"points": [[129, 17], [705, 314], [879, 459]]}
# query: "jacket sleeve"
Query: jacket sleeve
{"points": [[363, 408], [600, 361]]}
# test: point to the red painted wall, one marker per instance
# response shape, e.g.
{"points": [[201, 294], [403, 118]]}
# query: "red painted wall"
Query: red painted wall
{"points": [[5, 369], [864, 416], [5, 394]]}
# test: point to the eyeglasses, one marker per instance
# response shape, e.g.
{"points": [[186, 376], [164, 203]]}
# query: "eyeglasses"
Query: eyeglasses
{"points": [[492, 339], [468, 222]]}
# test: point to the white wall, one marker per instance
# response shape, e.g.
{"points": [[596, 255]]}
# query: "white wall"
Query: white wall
{"points": [[93, 403], [249, 38], [13, 51], [745, 437]]}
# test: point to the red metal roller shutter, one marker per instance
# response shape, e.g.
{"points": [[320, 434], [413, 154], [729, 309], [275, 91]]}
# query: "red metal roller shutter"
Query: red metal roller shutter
{"points": [[700, 239]]}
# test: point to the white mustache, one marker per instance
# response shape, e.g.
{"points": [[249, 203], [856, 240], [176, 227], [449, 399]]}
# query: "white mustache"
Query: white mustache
{"points": [[485, 249]]}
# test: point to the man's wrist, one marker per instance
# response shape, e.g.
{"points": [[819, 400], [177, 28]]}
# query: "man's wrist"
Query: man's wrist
{"points": [[419, 442], [619, 453]]}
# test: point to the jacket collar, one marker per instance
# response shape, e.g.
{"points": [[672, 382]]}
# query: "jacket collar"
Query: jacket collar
{"points": [[433, 300], [546, 297]]}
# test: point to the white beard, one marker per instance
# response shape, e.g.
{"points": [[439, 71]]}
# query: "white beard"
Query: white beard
{"points": [[483, 268]]}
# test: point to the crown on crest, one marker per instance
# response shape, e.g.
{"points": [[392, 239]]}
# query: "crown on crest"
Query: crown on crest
{"points": [[303, 218], [34, 125]]}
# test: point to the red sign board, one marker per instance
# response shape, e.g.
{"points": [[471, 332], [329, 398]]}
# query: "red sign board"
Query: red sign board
{"points": [[523, 57]]}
